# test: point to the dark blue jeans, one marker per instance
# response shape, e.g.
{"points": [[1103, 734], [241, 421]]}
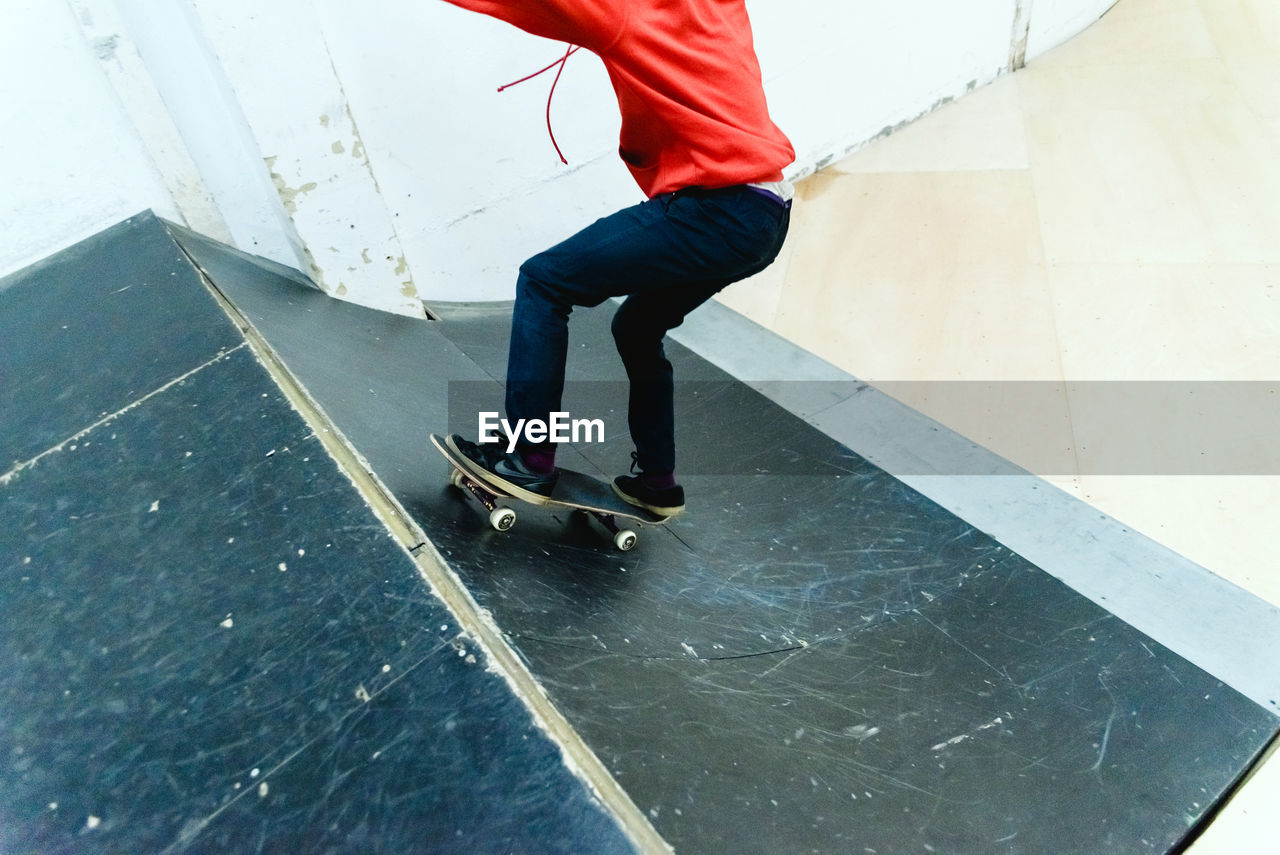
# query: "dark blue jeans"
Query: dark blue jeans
{"points": [[669, 255]]}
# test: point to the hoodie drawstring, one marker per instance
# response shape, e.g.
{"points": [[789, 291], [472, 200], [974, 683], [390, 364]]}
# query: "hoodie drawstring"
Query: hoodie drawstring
{"points": [[560, 62]]}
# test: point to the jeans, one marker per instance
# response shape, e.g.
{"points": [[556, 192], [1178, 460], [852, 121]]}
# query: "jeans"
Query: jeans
{"points": [[668, 255]]}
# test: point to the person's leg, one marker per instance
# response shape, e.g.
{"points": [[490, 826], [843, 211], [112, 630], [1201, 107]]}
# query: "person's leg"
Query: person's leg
{"points": [[674, 242], [583, 270], [639, 327]]}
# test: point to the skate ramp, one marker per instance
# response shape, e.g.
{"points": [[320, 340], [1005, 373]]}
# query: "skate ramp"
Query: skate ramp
{"points": [[210, 641], [816, 657]]}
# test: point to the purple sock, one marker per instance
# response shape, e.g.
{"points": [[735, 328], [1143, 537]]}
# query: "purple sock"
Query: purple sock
{"points": [[541, 459], [658, 480]]}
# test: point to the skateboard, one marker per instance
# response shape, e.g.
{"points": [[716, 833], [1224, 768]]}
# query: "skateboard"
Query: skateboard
{"points": [[576, 491]]}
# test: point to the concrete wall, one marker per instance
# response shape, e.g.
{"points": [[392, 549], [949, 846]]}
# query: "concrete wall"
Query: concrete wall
{"points": [[367, 143]]}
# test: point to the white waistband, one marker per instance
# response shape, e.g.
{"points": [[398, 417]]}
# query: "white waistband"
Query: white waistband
{"points": [[784, 190]]}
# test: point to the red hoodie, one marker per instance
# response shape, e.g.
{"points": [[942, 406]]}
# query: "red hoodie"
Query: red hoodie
{"points": [[687, 80]]}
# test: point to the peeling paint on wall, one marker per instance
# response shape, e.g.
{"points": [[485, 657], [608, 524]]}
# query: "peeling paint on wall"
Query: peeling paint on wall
{"points": [[890, 130], [1021, 32], [288, 195], [357, 145], [315, 271], [340, 215], [105, 48]]}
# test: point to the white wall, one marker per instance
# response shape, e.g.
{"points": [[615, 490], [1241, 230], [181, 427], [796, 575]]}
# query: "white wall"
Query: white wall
{"points": [[1055, 21], [71, 162], [367, 144]]}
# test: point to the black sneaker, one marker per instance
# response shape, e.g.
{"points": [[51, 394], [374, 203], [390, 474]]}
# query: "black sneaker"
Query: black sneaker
{"points": [[665, 501], [505, 471]]}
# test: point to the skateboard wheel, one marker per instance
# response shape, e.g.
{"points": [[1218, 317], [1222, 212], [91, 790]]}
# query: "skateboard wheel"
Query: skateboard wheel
{"points": [[502, 518], [624, 539], [456, 479]]}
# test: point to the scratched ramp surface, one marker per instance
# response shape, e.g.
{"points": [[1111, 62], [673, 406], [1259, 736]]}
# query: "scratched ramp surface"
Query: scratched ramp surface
{"points": [[814, 658], [209, 642]]}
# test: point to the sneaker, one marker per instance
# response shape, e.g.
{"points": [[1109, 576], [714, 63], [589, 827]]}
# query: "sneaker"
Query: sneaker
{"points": [[506, 471], [664, 501]]}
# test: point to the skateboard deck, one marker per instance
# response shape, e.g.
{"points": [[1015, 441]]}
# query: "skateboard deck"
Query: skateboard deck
{"points": [[574, 490]]}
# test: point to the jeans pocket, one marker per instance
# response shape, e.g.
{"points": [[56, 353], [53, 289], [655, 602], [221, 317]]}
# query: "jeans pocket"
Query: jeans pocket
{"points": [[747, 225]]}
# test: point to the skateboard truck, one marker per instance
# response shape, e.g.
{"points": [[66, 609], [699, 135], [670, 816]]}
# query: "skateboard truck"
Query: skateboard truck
{"points": [[502, 518]]}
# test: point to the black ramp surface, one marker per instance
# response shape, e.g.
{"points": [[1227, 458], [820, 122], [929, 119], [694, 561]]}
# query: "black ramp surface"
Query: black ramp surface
{"points": [[92, 330], [374, 370], [209, 641], [815, 658]]}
